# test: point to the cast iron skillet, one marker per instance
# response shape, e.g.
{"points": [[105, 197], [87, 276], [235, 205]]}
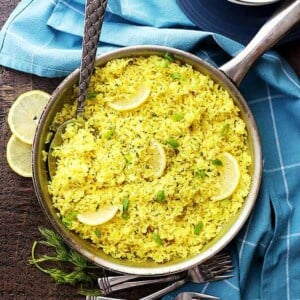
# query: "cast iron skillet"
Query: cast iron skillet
{"points": [[229, 76]]}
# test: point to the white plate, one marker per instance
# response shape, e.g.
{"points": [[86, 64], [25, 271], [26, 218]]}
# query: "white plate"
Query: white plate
{"points": [[253, 2]]}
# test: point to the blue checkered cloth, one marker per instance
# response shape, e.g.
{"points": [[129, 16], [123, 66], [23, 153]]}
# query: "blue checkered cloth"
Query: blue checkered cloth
{"points": [[43, 37]]}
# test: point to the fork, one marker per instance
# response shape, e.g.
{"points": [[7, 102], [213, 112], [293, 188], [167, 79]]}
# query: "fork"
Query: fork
{"points": [[212, 270], [107, 289], [106, 282], [181, 296], [193, 295], [101, 298]]}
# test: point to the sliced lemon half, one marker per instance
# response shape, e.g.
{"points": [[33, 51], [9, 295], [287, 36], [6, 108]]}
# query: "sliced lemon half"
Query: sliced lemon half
{"points": [[155, 160], [25, 113], [133, 102], [229, 176], [18, 156], [102, 215]]}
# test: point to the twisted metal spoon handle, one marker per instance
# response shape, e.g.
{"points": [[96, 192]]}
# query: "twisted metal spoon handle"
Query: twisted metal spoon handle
{"points": [[94, 14]]}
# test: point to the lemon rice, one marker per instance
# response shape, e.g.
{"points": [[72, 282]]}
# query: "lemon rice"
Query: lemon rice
{"points": [[159, 162]]}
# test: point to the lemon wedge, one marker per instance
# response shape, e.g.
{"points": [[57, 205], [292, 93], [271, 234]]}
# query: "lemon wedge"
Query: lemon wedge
{"points": [[155, 159], [229, 176], [25, 113], [102, 215], [18, 155], [135, 101]]}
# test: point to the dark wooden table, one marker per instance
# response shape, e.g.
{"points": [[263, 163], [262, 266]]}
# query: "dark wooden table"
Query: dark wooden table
{"points": [[20, 213]]}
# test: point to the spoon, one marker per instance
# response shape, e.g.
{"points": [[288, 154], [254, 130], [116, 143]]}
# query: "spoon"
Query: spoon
{"points": [[94, 13], [194, 295]]}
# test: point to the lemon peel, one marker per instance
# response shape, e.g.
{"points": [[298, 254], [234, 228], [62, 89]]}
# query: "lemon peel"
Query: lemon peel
{"points": [[18, 155], [25, 113], [229, 176], [133, 102], [102, 215], [156, 159]]}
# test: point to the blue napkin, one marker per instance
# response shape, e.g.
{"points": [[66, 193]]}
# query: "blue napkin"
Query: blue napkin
{"points": [[44, 38]]}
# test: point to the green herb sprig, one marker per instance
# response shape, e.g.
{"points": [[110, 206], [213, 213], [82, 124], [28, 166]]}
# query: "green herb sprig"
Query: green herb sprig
{"points": [[157, 238], [200, 173], [125, 204], [80, 272], [160, 196], [217, 162], [177, 117], [198, 228], [169, 56], [225, 130], [172, 142]]}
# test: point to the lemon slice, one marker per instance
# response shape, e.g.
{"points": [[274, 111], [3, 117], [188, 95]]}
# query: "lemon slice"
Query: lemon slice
{"points": [[102, 215], [18, 156], [155, 159], [135, 101], [25, 113], [229, 176]]}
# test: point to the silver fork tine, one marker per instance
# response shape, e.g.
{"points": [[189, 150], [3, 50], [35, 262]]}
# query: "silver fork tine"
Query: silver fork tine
{"points": [[223, 271], [218, 267], [221, 267], [220, 277], [219, 258]]}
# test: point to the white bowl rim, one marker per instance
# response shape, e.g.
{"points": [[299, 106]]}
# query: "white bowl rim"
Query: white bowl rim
{"points": [[253, 2]]}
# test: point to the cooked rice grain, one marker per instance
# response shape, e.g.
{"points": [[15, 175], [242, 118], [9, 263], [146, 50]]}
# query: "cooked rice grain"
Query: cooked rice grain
{"points": [[103, 162]]}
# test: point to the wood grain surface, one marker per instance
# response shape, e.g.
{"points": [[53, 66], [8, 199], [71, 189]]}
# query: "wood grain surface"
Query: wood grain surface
{"points": [[20, 213]]}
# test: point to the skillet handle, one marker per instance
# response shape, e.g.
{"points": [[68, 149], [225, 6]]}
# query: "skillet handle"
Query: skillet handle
{"points": [[280, 23]]}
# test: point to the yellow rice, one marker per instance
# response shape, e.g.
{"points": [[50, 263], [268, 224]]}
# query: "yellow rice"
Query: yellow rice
{"points": [[102, 163]]}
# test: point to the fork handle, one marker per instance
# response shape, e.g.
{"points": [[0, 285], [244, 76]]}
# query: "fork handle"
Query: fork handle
{"points": [[131, 284], [94, 14], [113, 280], [165, 290]]}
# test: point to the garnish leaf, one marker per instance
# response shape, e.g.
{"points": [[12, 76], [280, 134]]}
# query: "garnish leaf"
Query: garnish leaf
{"points": [[69, 218], [172, 142], [176, 75], [177, 117], [169, 57], [198, 228], [76, 259], [54, 240], [161, 197], [217, 162], [88, 292], [63, 254], [128, 159], [157, 238], [97, 232], [109, 133], [225, 130], [125, 215], [200, 173], [125, 203], [91, 95]]}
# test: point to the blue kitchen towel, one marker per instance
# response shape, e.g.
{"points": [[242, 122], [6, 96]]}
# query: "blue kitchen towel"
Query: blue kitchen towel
{"points": [[43, 37]]}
